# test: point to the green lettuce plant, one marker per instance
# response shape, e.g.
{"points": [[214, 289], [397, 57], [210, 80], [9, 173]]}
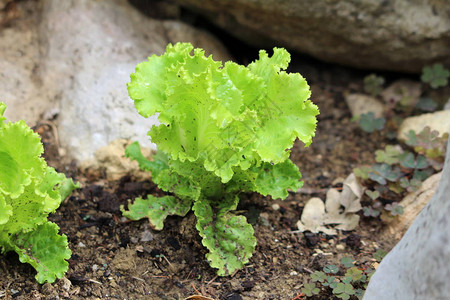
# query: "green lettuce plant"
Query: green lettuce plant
{"points": [[29, 191], [225, 129]]}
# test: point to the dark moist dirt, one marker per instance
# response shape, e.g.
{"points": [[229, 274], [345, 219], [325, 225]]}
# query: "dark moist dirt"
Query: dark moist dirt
{"points": [[117, 259]]}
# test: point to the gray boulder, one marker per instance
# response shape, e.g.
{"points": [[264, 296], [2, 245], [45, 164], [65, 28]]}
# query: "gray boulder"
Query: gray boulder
{"points": [[418, 266], [20, 86], [73, 59], [400, 35]]}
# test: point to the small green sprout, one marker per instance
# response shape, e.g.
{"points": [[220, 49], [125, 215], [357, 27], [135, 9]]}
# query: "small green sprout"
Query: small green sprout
{"points": [[343, 290], [354, 273], [372, 194], [435, 75], [408, 160], [394, 208], [389, 156], [362, 172], [318, 276], [410, 184], [428, 143], [352, 283], [369, 211], [373, 84], [331, 282], [399, 171], [331, 269], [382, 173], [347, 261], [310, 289], [359, 293], [369, 123], [379, 254]]}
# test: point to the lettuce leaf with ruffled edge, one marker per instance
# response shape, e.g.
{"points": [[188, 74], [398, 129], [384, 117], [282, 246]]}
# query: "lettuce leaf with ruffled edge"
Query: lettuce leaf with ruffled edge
{"points": [[29, 191], [225, 129]]}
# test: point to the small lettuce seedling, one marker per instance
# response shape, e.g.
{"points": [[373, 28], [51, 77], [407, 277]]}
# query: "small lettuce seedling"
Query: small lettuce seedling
{"points": [[225, 129], [29, 191]]}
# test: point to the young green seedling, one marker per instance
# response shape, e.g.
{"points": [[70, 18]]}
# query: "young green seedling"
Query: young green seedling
{"points": [[29, 191]]}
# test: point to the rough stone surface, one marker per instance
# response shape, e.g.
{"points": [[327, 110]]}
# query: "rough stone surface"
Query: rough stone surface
{"points": [[412, 205], [417, 268], [93, 69], [111, 159], [361, 104], [20, 86], [405, 92], [399, 35], [73, 59], [439, 121]]}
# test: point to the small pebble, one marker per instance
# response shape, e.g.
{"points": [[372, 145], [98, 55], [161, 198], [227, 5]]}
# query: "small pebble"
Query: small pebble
{"points": [[264, 219], [81, 245], [13, 291], [94, 267], [66, 283], [340, 247], [293, 273], [275, 206]]}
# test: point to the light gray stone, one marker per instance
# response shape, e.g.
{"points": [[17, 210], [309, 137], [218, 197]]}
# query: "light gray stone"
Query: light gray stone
{"points": [[20, 85], [418, 266], [405, 92], [73, 59], [92, 48], [361, 104], [439, 121], [401, 35]]}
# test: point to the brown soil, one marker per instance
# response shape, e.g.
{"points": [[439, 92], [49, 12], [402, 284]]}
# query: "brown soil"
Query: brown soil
{"points": [[117, 259]]}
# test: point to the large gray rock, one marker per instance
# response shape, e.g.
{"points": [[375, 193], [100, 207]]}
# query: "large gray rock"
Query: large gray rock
{"points": [[418, 266], [74, 57], [93, 46], [401, 35], [20, 86]]}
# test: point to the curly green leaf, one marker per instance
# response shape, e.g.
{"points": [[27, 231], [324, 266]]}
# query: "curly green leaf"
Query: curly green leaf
{"points": [[45, 250], [157, 209], [229, 238]]}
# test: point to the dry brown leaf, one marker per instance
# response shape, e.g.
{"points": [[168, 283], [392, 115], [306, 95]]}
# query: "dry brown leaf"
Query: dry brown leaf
{"points": [[316, 214]]}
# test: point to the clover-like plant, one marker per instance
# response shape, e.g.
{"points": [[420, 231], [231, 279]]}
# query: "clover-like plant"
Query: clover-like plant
{"points": [[29, 191], [436, 75], [399, 170], [369, 123], [373, 84], [343, 281], [225, 129]]}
